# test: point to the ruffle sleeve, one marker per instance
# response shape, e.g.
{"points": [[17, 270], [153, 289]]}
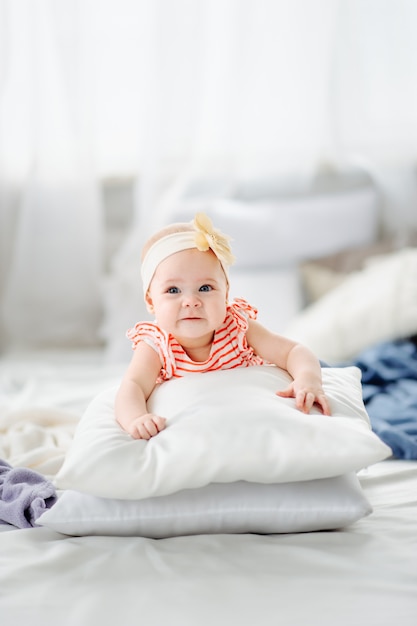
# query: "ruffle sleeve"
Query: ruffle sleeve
{"points": [[156, 338], [241, 311]]}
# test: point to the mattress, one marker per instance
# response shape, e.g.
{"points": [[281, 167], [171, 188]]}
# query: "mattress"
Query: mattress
{"points": [[365, 574]]}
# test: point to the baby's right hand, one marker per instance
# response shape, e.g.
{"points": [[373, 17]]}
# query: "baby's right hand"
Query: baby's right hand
{"points": [[146, 426]]}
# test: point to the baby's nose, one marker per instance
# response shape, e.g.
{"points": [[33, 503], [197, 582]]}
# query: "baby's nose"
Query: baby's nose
{"points": [[191, 300]]}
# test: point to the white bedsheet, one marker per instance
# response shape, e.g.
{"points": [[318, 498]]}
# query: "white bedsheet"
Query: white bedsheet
{"points": [[364, 575], [42, 397]]}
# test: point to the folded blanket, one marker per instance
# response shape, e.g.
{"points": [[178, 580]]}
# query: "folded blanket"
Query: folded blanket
{"points": [[24, 495], [389, 380]]}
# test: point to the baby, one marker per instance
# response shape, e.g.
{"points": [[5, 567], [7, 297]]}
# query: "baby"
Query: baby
{"points": [[186, 285]]}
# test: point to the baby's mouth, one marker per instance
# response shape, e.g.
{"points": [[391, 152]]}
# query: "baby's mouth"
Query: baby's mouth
{"points": [[190, 318]]}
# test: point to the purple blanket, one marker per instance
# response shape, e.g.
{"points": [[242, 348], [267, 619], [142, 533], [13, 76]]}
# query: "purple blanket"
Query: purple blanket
{"points": [[24, 495]]}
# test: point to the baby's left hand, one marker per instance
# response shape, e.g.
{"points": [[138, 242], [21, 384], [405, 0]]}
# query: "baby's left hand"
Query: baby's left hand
{"points": [[306, 397]]}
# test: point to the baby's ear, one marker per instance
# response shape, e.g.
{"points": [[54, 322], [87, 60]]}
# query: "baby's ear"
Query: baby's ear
{"points": [[149, 304]]}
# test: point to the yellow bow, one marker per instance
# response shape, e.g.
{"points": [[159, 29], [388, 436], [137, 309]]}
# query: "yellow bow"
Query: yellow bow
{"points": [[207, 236]]}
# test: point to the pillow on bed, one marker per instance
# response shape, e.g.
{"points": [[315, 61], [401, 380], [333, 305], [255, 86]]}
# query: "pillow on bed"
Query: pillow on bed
{"points": [[378, 303], [240, 507], [223, 427], [321, 275]]}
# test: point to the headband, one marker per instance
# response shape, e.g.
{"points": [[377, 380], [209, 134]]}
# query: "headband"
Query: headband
{"points": [[204, 237]]}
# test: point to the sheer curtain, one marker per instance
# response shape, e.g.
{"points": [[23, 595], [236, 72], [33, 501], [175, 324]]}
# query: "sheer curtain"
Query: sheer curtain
{"points": [[154, 90], [49, 199]]}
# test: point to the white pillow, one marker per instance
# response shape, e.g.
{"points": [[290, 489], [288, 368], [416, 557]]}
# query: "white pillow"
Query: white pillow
{"points": [[240, 507], [256, 226], [378, 303], [223, 426]]}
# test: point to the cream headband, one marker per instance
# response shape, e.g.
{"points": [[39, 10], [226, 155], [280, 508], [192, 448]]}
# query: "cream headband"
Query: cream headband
{"points": [[204, 237]]}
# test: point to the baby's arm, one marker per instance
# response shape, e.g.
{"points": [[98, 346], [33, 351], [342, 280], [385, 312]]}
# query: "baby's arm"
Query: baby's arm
{"points": [[298, 360], [135, 389]]}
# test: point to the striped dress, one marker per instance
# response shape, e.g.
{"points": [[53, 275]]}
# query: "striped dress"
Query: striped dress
{"points": [[229, 349]]}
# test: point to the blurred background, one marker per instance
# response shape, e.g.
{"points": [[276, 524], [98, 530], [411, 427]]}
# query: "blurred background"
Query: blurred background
{"points": [[293, 123]]}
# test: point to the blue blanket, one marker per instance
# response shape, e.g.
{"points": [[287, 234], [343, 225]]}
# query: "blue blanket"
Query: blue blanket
{"points": [[389, 378], [24, 495]]}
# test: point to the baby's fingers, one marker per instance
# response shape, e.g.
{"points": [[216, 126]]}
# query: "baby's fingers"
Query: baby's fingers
{"points": [[310, 399], [286, 393], [160, 422], [151, 426], [323, 402], [304, 401], [147, 426]]}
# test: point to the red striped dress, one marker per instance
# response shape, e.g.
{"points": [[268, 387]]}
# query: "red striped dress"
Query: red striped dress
{"points": [[229, 349]]}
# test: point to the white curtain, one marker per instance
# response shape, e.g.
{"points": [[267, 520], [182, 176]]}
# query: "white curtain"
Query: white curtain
{"points": [[47, 183], [153, 89]]}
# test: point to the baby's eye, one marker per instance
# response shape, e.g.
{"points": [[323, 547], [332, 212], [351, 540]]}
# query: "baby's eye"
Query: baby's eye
{"points": [[205, 288], [173, 290]]}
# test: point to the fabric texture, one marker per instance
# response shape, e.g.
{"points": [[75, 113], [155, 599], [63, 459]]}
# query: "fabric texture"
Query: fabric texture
{"points": [[376, 304], [223, 426], [229, 349], [240, 507], [389, 375], [24, 495]]}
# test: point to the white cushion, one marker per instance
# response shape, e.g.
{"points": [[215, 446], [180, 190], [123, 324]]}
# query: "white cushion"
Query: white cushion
{"points": [[239, 507], [268, 233], [223, 426], [378, 303]]}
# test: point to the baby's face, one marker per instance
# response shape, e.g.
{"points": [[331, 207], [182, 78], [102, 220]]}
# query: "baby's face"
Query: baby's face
{"points": [[188, 295]]}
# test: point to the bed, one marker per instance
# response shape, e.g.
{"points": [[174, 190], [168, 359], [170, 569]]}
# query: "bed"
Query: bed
{"points": [[365, 573], [357, 571]]}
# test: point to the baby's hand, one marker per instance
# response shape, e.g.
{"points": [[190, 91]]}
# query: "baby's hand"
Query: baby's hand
{"points": [[305, 397], [146, 426]]}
